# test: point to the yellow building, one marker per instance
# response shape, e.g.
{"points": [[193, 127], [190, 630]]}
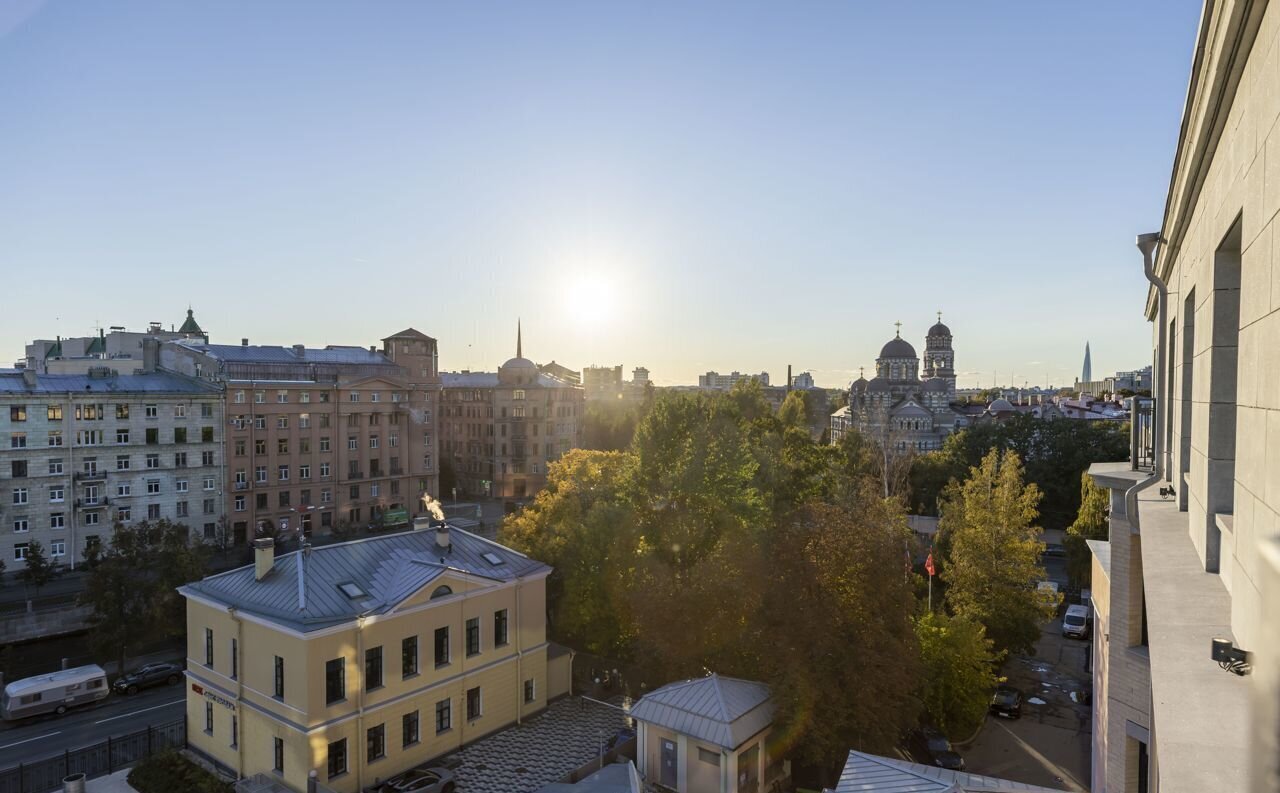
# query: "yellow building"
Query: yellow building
{"points": [[362, 659]]}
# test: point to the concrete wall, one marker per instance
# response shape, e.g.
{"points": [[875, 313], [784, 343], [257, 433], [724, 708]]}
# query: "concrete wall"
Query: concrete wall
{"points": [[25, 626]]}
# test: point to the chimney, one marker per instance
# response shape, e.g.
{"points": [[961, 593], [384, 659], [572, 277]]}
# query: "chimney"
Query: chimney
{"points": [[300, 350], [373, 348], [264, 556], [244, 342], [29, 377], [442, 534]]}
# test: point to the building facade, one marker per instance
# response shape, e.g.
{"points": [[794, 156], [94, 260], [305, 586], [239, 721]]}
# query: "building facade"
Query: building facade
{"points": [[1192, 552], [81, 453], [725, 382], [319, 439], [602, 381], [360, 660], [123, 351], [897, 407], [499, 431]]}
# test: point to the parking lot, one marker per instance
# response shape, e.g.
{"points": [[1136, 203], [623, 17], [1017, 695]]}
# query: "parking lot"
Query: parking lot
{"points": [[1050, 745], [563, 738]]}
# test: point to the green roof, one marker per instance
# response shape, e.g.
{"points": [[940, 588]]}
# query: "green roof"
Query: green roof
{"points": [[98, 346], [191, 326]]}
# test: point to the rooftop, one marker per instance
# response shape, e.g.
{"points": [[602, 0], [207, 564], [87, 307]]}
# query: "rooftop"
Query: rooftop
{"points": [[1199, 712], [339, 582], [256, 353], [154, 383], [490, 380], [722, 710], [870, 773]]}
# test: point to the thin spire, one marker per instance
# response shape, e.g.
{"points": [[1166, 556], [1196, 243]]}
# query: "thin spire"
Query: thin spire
{"points": [[519, 353], [939, 316]]}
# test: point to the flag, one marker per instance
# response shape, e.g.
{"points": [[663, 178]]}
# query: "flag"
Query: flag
{"points": [[928, 564]]}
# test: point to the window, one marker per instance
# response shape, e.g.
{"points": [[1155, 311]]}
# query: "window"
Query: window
{"points": [[278, 754], [373, 490], [153, 486], [209, 506], [283, 499], [373, 668], [393, 439], [124, 515], [208, 483], [326, 496], [150, 411], [55, 467], [19, 495], [179, 411], [444, 716], [208, 718], [376, 743], [18, 469], [206, 410], [282, 422], [124, 489], [239, 398], [373, 441], [282, 396], [18, 440], [235, 659], [353, 443], [375, 397], [354, 491], [283, 473], [442, 646], [54, 412], [530, 691], [20, 525], [354, 396], [324, 396], [304, 471], [335, 681], [153, 461], [259, 397], [153, 436], [708, 757], [499, 628], [260, 474], [304, 397], [56, 494], [409, 656], [122, 436], [17, 412], [55, 437], [409, 728], [260, 423], [261, 500], [20, 552], [338, 758], [206, 434], [279, 677], [122, 462], [208, 646], [235, 731], [324, 444], [57, 520], [206, 458], [181, 485], [473, 703], [304, 421], [180, 435], [304, 445], [473, 636], [239, 504], [180, 460]]}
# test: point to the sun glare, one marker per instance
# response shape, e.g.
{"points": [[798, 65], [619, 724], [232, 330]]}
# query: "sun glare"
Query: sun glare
{"points": [[592, 300]]}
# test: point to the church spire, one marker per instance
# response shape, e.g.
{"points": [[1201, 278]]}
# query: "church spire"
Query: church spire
{"points": [[519, 354]]}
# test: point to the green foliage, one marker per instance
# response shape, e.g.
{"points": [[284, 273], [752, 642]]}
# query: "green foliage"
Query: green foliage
{"points": [[795, 410], [1090, 524], [610, 424], [133, 587], [169, 771], [958, 671], [994, 549], [38, 570]]}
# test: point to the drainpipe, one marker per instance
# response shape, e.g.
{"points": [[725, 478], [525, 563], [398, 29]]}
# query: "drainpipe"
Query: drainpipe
{"points": [[1147, 244], [520, 703], [231, 612], [360, 737]]}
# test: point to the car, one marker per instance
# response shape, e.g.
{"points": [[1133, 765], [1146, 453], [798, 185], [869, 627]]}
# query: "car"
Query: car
{"points": [[148, 676], [1007, 702], [937, 749], [1054, 549], [1075, 622], [419, 780]]}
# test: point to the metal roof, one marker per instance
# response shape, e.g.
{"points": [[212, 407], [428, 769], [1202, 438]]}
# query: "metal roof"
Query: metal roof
{"points": [[870, 773], [490, 380], [409, 333], [389, 569], [724, 711], [618, 777], [155, 383], [241, 353]]}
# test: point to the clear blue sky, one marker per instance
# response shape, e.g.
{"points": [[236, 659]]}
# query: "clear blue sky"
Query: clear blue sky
{"points": [[681, 186]]}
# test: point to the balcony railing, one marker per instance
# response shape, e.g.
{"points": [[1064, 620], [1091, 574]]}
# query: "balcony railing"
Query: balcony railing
{"points": [[93, 503], [355, 475], [396, 470], [242, 485], [82, 476]]}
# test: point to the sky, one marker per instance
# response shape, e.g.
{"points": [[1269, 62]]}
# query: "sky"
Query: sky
{"points": [[681, 186]]}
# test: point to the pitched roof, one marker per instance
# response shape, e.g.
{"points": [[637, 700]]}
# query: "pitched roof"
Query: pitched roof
{"points": [[490, 380], [191, 326], [386, 569], [722, 710], [870, 773], [153, 382], [244, 353], [409, 333]]}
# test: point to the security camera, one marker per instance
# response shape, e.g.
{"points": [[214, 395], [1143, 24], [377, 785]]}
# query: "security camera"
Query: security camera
{"points": [[1229, 657]]}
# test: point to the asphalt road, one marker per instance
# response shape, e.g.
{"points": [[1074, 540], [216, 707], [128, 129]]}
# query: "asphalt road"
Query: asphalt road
{"points": [[44, 736]]}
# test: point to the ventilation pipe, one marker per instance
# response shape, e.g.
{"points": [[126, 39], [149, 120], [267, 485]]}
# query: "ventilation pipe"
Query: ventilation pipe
{"points": [[264, 556], [1147, 244]]}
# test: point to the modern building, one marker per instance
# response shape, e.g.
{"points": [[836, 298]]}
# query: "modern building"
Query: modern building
{"points": [[640, 376], [725, 382], [803, 380], [81, 452], [317, 439], [362, 659], [123, 351], [897, 407], [1086, 371], [602, 381], [708, 735], [500, 430], [1192, 555]]}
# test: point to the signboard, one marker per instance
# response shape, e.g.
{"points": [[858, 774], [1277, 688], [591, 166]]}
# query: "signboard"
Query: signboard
{"points": [[395, 517], [212, 697]]}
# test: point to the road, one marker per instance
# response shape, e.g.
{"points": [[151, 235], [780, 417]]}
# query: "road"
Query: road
{"points": [[44, 736]]}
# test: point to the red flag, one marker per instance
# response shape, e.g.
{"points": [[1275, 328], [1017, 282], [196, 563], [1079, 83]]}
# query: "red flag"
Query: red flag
{"points": [[928, 564]]}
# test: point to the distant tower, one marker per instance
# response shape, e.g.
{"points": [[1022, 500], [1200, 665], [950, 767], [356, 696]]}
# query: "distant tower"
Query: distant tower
{"points": [[940, 356], [1086, 375]]}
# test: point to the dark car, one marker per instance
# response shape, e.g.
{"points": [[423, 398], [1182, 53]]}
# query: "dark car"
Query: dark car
{"points": [[1007, 702], [419, 780], [1054, 549], [148, 676], [937, 749]]}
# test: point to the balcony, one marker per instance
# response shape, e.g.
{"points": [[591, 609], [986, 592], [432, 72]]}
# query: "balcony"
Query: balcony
{"points": [[93, 503], [91, 476], [397, 470], [242, 486]]}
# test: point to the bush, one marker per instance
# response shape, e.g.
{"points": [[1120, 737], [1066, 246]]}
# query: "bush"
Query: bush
{"points": [[169, 771]]}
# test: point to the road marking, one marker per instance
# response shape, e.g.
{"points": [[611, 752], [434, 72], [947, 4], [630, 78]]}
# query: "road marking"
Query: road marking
{"points": [[136, 712], [29, 740]]}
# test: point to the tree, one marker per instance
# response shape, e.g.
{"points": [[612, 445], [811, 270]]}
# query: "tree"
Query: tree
{"points": [[835, 636], [610, 424], [795, 410], [1090, 524], [994, 550], [958, 671], [38, 570]]}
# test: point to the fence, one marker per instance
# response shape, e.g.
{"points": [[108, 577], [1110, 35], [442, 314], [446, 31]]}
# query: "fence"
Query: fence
{"points": [[104, 757]]}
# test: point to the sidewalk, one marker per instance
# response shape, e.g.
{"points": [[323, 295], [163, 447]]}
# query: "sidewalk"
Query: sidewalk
{"points": [[115, 783]]}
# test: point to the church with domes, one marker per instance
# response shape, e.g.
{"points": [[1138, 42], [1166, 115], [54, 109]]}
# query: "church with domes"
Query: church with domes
{"points": [[901, 405]]}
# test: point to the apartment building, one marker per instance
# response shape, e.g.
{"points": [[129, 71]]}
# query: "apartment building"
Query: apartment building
{"points": [[1192, 553], [362, 659], [83, 452], [322, 438], [499, 431], [728, 381], [122, 350]]}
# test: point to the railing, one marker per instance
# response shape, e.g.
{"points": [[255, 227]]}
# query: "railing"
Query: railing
{"points": [[90, 475], [242, 485], [396, 470], [104, 757]]}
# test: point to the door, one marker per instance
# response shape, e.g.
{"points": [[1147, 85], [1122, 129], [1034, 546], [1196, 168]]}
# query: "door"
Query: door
{"points": [[667, 774]]}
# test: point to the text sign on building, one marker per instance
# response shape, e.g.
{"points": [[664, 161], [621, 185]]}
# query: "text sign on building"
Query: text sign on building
{"points": [[212, 697]]}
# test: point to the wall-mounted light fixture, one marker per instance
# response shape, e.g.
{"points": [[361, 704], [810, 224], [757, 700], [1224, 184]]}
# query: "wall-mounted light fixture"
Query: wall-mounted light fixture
{"points": [[1230, 657]]}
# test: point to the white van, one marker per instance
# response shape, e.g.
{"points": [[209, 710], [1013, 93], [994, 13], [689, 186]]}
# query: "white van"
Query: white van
{"points": [[54, 692], [1076, 622]]}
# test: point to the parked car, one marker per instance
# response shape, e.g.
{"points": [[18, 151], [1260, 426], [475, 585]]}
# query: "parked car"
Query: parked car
{"points": [[150, 675], [419, 780], [1076, 622], [1054, 549], [1007, 702], [937, 749]]}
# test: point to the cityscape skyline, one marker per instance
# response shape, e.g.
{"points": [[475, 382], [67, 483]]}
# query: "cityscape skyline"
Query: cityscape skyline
{"points": [[693, 197]]}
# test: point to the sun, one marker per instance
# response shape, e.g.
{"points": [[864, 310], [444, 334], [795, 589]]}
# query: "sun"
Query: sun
{"points": [[591, 300]]}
